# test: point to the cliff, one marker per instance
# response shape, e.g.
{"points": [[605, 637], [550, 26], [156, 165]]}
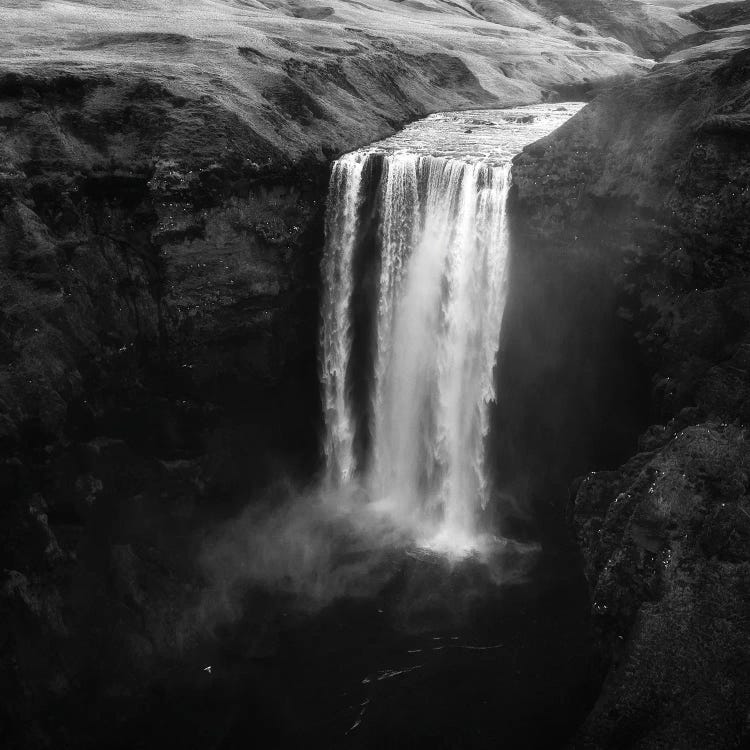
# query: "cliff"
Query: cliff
{"points": [[649, 186]]}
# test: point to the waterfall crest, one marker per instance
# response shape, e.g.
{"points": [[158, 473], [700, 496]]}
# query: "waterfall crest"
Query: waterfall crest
{"points": [[415, 276]]}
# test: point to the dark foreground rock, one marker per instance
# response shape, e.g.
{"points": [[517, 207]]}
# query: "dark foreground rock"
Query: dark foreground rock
{"points": [[650, 187], [667, 547]]}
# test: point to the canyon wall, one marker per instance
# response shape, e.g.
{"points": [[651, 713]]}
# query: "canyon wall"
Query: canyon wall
{"points": [[158, 337], [161, 203], [647, 189]]}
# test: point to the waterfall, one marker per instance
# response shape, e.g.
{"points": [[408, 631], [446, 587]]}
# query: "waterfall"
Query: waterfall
{"points": [[345, 191], [415, 276]]}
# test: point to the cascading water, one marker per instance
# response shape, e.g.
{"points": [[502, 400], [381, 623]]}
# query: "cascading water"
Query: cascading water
{"points": [[414, 277]]}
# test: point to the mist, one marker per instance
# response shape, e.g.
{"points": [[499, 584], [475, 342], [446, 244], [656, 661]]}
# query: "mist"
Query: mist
{"points": [[313, 547]]}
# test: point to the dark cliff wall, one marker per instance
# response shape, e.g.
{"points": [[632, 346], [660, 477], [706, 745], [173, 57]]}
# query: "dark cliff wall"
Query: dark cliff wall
{"points": [[137, 264], [649, 188], [149, 291], [571, 382], [159, 267]]}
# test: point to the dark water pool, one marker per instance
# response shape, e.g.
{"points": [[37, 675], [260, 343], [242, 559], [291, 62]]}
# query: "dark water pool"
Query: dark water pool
{"points": [[440, 658]]}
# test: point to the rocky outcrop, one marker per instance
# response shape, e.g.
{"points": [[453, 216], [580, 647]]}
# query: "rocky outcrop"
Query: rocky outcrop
{"points": [[648, 185], [666, 539], [158, 332]]}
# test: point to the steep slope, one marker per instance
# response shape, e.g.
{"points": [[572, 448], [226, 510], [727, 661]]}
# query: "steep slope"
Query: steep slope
{"points": [[647, 28], [242, 53], [720, 15], [649, 185]]}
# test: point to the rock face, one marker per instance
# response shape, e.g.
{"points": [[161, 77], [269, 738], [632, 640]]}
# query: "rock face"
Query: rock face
{"points": [[649, 186], [159, 322], [666, 540]]}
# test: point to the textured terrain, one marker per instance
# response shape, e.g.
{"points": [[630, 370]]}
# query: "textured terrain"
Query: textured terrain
{"points": [[163, 169], [720, 15], [650, 184]]}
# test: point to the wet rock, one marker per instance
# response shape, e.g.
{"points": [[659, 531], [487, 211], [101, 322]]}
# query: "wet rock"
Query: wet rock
{"points": [[667, 562]]}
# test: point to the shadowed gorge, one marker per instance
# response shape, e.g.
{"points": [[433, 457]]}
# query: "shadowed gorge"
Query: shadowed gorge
{"points": [[358, 390], [666, 566]]}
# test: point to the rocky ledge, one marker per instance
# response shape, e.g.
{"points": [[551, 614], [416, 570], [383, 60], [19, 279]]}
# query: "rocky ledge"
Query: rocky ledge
{"points": [[649, 186]]}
